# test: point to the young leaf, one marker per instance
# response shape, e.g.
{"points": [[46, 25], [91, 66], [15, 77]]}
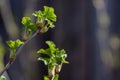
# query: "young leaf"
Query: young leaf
{"points": [[49, 13], [38, 14], [2, 78], [45, 60], [26, 21], [51, 25], [51, 46], [56, 77], [11, 44], [61, 56], [14, 44], [46, 78], [18, 43], [55, 60], [44, 51], [56, 56], [13, 47], [45, 19]]}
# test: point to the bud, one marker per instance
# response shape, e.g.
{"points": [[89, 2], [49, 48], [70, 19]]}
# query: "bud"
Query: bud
{"points": [[58, 69]]}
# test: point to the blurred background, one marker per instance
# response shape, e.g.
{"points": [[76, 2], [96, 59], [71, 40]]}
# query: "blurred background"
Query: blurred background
{"points": [[89, 31]]}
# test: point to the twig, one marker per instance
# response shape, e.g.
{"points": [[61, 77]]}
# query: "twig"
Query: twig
{"points": [[5, 68], [17, 53]]}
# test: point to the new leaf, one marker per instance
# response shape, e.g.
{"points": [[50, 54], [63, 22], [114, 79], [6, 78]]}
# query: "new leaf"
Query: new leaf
{"points": [[45, 19], [14, 44], [2, 78], [29, 26], [49, 13]]}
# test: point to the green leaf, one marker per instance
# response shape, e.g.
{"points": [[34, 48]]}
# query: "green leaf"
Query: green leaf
{"points": [[46, 78], [18, 43], [56, 56], [56, 77], [13, 47], [14, 44], [10, 44], [29, 26], [2, 78], [55, 60], [46, 18], [52, 26], [44, 51], [45, 60], [50, 23], [26, 20], [38, 14], [50, 51], [32, 27], [51, 46], [49, 13], [61, 56]]}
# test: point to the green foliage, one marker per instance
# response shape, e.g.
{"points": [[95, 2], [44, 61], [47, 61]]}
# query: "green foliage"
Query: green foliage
{"points": [[2, 78], [45, 60], [55, 60], [14, 44], [13, 47], [56, 56], [46, 78], [49, 13], [45, 19], [29, 26], [56, 77], [51, 47], [60, 56]]}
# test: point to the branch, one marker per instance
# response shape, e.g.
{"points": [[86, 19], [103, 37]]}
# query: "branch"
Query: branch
{"points": [[17, 53], [5, 68]]}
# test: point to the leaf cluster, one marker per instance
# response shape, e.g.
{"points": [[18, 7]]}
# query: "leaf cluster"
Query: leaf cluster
{"points": [[56, 56], [29, 25], [55, 60], [14, 44], [45, 19]]}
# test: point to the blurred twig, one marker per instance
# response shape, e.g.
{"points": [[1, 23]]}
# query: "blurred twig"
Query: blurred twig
{"points": [[7, 16], [103, 22]]}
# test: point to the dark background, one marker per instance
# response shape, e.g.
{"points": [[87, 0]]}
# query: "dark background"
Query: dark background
{"points": [[89, 31]]}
